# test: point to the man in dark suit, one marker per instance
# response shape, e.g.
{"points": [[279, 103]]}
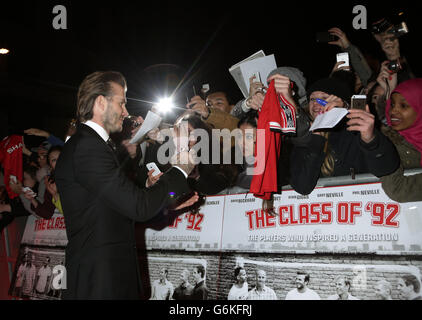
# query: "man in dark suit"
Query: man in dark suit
{"points": [[100, 203], [200, 291]]}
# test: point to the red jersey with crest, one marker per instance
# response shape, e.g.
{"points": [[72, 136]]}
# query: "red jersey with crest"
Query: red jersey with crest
{"points": [[277, 116], [11, 159]]}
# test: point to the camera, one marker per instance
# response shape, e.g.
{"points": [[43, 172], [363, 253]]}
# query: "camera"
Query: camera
{"points": [[395, 65], [391, 25]]}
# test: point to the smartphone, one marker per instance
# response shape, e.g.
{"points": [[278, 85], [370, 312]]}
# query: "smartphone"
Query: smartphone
{"points": [[325, 37], [358, 102], [27, 189], [343, 56], [257, 76], [151, 166], [13, 179]]}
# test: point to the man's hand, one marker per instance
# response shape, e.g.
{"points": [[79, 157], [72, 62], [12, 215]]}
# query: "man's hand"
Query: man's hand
{"points": [[283, 86], [51, 187], [151, 179], [256, 101], [198, 105], [342, 41], [37, 132], [333, 102], [184, 160], [189, 202], [362, 121], [338, 67], [254, 87], [384, 75]]}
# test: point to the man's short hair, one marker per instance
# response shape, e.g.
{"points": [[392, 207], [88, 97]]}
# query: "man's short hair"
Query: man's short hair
{"points": [[346, 281], [385, 285], [237, 271], [410, 279], [200, 269], [303, 273], [94, 85]]}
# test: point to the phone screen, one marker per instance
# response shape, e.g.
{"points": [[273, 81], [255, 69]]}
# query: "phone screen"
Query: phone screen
{"points": [[344, 56]]}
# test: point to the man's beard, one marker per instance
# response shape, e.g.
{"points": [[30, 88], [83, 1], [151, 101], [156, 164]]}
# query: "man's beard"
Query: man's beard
{"points": [[111, 120]]}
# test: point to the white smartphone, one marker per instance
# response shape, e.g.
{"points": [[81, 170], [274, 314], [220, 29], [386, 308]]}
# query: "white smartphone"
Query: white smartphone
{"points": [[151, 166], [343, 56], [13, 179], [358, 102], [32, 193]]}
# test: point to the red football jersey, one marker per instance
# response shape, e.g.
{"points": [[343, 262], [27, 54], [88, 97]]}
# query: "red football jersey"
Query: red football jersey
{"points": [[11, 159], [276, 116]]}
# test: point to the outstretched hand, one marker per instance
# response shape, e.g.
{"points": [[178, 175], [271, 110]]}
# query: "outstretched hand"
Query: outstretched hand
{"points": [[362, 121], [342, 41]]}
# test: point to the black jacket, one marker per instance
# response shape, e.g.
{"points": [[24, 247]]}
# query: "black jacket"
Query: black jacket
{"points": [[100, 207], [351, 154]]}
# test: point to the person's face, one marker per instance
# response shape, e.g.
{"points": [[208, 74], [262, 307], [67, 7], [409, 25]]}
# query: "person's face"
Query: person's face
{"points": [[241, 277], [28, 181], [341, 287], [52, 159], [184, 276], [116, 111], [404, 291], [196, 275], [379, 91], [249, 139], [314, 107], [381, 292], [389, 43], [47, 261], [261, 278], [402, 115], [300, 281], [163, 274], [219, 101], [42, 157]]}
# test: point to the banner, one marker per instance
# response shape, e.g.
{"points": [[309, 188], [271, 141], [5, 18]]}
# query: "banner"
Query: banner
{"points": [[356, 218], [40, 272]]}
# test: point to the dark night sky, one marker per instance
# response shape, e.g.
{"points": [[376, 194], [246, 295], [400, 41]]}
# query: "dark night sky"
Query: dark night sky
{"points": [[156, 44]]}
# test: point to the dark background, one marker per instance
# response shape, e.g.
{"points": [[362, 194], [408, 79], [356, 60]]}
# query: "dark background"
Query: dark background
{"points": [[158, 45]]}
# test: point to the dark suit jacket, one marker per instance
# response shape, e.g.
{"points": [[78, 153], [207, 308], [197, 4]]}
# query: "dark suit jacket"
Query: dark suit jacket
{"points": [[100, 207]]}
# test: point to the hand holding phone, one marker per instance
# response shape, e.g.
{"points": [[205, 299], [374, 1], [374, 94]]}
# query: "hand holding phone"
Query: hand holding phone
{"points": [[13, 179], [343, 57], [325, 37], [358, 102], [153, 166]]}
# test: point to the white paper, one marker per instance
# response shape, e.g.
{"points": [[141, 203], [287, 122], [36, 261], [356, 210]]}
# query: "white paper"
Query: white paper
{"points": [[236, 72], [262, 65], [151, 122], [329, 119]]}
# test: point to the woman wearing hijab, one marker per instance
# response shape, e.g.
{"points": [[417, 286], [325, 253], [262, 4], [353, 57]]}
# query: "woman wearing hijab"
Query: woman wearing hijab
{"points": [[404, 117]]}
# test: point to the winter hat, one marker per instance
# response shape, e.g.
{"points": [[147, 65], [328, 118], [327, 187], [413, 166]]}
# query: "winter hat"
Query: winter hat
{"points": [[332, 86], [296, 76]]}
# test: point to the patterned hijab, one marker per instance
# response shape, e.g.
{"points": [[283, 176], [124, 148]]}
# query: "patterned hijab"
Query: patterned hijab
{"points": [[411, 90]]}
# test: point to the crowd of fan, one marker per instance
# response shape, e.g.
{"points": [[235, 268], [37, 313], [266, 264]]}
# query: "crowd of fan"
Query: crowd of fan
{"points": [[384, 140]]}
